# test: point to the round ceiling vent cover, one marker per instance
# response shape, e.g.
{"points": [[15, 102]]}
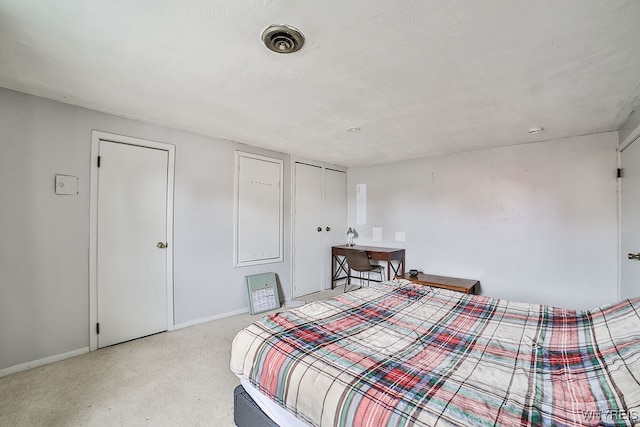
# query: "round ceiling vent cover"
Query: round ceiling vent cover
{"points": [[283, 39]]}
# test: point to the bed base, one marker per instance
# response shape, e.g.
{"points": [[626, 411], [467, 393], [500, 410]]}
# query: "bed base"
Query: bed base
{"points": [[246, 413]]}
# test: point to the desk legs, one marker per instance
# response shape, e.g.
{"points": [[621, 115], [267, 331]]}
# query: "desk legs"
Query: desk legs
{"points": [[339, 266], [397, 269]]}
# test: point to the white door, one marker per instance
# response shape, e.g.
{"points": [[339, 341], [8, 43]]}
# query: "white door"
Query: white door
{"points": [[308, 230], [630, 221], [131, 230], [335, 213]]}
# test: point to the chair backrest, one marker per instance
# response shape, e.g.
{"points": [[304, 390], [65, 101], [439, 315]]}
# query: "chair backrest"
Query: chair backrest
{"points": [[358, 260]]}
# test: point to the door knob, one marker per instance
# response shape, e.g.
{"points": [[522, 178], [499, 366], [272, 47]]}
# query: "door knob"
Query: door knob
{"points": [[161, 245], [634, 256]]}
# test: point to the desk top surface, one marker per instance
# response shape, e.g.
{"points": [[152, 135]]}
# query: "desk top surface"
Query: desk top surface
{"points": [[368, 248], [442, 280]]}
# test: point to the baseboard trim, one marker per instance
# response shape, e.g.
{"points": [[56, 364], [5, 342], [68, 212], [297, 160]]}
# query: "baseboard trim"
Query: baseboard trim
{"points": [[41, 362], [45, 361], [209, 319]]}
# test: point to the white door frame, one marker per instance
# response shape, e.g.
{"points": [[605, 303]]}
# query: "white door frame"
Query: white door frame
{"points": [[96, 137]]}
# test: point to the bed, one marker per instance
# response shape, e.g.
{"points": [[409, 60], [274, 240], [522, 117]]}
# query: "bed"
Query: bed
{"points": [[400, 354]]}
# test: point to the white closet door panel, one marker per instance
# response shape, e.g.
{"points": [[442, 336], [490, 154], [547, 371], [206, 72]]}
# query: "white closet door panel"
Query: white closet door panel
{"points": [[308, 240], [335, 213]]}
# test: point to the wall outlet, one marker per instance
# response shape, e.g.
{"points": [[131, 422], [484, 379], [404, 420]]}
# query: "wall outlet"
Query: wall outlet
{"points": [[401, 236]]}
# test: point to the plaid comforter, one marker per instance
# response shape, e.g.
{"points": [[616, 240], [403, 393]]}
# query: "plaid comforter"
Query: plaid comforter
{"points": [[413, 355]]}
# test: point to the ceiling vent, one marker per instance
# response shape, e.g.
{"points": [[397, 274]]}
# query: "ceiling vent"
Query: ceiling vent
{"points": [[283, 39]]}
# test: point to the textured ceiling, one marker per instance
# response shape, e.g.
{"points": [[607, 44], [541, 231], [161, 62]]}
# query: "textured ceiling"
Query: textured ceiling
{"points": [[419, 78]]}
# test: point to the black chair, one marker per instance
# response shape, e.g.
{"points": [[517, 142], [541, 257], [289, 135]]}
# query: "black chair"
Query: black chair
{"points": [[358, 260]]}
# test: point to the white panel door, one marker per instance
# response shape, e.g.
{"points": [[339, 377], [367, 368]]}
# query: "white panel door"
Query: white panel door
{"points": [[132, 223], [307, 268], [335, 214], [630, 221]]}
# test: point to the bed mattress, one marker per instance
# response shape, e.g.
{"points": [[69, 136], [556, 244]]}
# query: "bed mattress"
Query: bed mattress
{"points": [[390, 355]]}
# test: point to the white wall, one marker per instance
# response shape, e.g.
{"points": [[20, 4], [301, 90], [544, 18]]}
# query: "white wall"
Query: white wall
{"points": [[44, 238], [535, 222]]}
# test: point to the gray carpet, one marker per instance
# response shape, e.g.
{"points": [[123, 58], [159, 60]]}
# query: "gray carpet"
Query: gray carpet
{"points": [[179, 378]]}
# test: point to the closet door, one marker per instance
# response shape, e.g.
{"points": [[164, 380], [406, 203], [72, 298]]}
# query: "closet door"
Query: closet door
{"points": [[335, 215], [308, 229], [320, 221]]}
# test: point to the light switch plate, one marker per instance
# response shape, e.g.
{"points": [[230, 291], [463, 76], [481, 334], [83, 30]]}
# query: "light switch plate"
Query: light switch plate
{"points": [[377, 234], [401, 236], [66, 184]]}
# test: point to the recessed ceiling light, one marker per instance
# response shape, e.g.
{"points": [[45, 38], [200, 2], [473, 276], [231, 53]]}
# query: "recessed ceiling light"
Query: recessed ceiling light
{"points": [[353, 130], [534, 131]]}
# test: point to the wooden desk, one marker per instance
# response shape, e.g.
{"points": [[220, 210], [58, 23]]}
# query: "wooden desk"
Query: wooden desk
{"points": [[340, 270], [467, 286]]}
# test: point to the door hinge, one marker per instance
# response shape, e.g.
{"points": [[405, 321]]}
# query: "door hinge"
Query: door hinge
{"points": [[619, 173], [99, 160], [98, 328]]}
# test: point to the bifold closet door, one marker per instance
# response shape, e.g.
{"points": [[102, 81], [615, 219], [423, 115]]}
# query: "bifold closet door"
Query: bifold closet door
{"points": [[335, 213], [320, 221], [308, 229]]}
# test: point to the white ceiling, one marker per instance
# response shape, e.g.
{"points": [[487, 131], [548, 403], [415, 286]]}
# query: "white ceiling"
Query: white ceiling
{"points": [[419, 77]]}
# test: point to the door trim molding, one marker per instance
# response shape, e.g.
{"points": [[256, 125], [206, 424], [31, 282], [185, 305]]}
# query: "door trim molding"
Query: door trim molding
{"points": [[96, 137]]}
